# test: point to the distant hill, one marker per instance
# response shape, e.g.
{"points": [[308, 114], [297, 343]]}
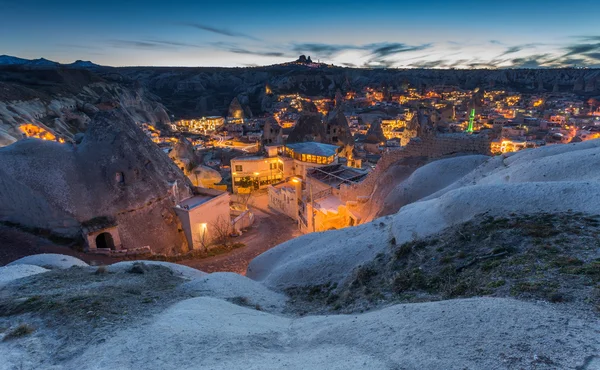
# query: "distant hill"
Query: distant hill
{"points": [[83, 64], [7, 60]]}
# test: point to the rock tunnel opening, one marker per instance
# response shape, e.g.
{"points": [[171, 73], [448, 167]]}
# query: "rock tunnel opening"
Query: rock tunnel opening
{"points": [[105, 240]]}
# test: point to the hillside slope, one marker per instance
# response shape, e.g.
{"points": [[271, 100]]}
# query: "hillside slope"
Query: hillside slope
{"points": [[116, 175], [549, 179]]}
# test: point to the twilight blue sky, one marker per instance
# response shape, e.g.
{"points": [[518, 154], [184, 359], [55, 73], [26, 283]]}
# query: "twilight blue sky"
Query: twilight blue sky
{"points": [[367, 33]]}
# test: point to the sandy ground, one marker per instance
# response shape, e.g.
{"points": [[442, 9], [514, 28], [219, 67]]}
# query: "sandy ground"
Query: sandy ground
{"points": [[269, 230]]}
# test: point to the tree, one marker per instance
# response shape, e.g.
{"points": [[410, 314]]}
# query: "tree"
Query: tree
{"points": [[243, 199], [221, 229], [202, 240]]}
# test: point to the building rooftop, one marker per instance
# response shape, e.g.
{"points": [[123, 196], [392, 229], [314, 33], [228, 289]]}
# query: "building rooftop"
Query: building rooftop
{"points": [[337, 174], [314, 148], [251, 158], [197, 200], [329, 204], [288, 185]]}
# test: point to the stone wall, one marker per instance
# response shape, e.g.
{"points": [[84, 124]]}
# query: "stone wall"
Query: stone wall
{"points": [[427, 147]]}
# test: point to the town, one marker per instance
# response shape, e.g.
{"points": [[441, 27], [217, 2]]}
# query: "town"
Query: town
{"points": [[307, 157]]}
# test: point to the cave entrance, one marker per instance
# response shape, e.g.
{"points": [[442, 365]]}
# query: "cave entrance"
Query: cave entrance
{"points": [[105, 240]]}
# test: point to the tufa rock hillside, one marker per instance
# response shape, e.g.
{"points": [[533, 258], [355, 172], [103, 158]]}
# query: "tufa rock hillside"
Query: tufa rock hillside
{"points": [[115, 177]]}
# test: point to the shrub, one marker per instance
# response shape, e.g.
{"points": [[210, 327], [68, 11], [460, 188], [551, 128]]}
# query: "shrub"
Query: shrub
{"points": [[20, 331]]}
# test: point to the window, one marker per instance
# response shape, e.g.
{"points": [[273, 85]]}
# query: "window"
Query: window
{"points": [[273, 166], [238, 168]]}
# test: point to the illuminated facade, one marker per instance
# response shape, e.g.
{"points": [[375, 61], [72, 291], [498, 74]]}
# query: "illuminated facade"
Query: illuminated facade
{"points": [[31, 130], [392, 128], [500, 146], [204, 124], [205, 217], [253, 173]]}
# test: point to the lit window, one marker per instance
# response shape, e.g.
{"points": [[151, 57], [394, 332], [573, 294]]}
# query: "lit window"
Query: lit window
{"points": [[238, 168]]}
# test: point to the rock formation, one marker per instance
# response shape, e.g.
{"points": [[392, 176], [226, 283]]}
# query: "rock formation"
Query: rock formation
{"points": [[117, 173], [272, 133], [235, 109], [337, 129], [66, 99], [375, 133], [309, 127], [204, 177], [184, 155]]}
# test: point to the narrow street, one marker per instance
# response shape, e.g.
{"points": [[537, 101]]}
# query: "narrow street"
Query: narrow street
{"points": [[269, 229]]}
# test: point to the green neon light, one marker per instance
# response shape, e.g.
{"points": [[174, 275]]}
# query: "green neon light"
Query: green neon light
{"points": [[471, 120]]}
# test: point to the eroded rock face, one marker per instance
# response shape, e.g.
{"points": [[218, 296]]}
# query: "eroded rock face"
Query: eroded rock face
{"points": [[235, 109], [309, 128], [338, 131], [116, 172], [66, 99]]}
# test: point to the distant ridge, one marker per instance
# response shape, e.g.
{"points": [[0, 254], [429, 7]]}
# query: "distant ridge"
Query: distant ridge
{"points": [[7, 60]]}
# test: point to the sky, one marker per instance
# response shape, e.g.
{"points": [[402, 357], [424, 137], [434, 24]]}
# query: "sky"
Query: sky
{"points": [[368, 33]]}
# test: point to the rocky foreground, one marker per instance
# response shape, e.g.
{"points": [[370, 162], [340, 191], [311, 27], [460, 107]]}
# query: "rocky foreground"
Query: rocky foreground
{"points": [[496, 270]]}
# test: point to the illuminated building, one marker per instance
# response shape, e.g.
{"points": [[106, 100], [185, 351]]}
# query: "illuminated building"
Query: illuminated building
{"points": [[31, 130], [393, 128], [253, 173], [205, 217], [204, 124], [320, 207], [500, 146], [256, 172]]}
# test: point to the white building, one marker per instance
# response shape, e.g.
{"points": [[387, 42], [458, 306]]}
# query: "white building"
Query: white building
{"points": [[205, 217], [281, 162]]}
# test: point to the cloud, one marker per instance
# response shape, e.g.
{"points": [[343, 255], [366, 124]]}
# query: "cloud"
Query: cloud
{"points": [[236, 49], [517, 48], [428, 64], [174, 43], [378, 51], [513, 49], [149, 44], [581, 48], [533, 61], [496, 42], [128, 44], [459, 63], [260, 53], [593, 55], [382, 50], [322, 50], [587, 38], [379, 64], [220, 31]]}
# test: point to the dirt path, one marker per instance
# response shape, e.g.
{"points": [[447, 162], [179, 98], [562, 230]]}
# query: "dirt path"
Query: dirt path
{"points": [[269, 230]]}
